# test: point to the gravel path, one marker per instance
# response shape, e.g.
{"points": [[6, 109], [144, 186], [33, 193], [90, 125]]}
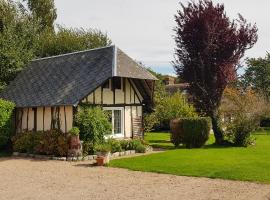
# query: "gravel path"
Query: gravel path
{"points": [[33, 179]]}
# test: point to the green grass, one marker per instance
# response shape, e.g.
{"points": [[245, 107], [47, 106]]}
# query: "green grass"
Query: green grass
{"points": [[235, 163]]}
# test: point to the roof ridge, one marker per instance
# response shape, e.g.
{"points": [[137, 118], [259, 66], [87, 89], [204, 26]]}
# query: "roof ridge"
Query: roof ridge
{"points": [[75, 52]]}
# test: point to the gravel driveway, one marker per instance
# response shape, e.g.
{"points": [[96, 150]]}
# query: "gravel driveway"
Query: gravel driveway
{"points": [[34, 179]]}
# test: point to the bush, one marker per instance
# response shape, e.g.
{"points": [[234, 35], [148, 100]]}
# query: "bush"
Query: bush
{"points": [[104, 148], [239, 132], [52, 142], [6, 110], [192, 132], [26, 142], [124, 144], [176, 132], [115, 145], [168, 108], [74, 131], [88, 148], [196, 131], [93, 124]]}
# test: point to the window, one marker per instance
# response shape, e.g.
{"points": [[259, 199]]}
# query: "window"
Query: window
{"points": [[106, 84], [116, 118], [117, 83]]}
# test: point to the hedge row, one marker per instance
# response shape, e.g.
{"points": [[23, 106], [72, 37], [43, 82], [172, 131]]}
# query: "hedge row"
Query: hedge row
{"points": [[192, 132]]}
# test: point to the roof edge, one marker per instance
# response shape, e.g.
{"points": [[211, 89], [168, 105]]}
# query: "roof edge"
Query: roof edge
{"points": [[75, 52]]}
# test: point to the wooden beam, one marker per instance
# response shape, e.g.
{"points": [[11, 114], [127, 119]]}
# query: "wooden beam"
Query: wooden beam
{"points": [[35, 119], [94, 98], [22, 110], [101, 95], [43, 117], [65, 119], [27, 119], [124, 88]]}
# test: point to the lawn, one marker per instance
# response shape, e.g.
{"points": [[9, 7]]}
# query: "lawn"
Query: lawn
{"points": [[235, 163]]}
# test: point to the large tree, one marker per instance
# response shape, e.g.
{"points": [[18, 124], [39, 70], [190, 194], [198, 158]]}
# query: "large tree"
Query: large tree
{"points": [[209, 47], [257, 75], [17, 40], [44, 11]]}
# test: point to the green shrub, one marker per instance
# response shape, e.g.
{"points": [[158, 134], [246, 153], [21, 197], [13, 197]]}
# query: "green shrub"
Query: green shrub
{"points": [[239, 132], [88, 148], [93, 124], [196, 131], [26, 142], [166, 109], [124, 144], [140, 148], [115, 145], [103, 148], [74, 131], [192, 132], [6, 110]]}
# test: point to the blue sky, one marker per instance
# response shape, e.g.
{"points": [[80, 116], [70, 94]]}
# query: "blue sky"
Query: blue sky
{"points": [[143, 28]]}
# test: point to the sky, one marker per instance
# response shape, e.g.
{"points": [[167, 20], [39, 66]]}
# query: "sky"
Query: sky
{"points": [[144, 28]]}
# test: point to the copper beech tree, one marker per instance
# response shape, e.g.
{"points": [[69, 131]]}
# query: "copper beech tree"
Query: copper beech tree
{"points": [[209, 47]]}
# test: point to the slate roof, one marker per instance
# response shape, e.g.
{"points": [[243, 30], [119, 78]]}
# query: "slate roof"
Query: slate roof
{"points": [[66, 79]]}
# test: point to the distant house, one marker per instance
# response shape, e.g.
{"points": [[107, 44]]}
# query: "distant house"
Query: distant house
{"points": [[171, 85], [51, 89]]}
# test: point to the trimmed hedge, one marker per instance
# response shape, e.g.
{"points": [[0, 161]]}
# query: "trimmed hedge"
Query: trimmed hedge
{"points": [[6, 111], [192, 132]]}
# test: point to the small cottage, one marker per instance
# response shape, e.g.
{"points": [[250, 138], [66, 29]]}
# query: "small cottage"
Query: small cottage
{"points": [[50, 90]]}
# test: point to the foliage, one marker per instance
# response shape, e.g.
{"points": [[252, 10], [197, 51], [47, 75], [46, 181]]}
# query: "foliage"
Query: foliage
{"points": [[124, 144], [168, 108], [17, 40], [43, 11], [26, 142], [149, 121], [67, 40], [52, 142], [88, 148], [192, 132], [196, 131], [257, 75], [6, 110], [245, 108], [93, 124], [74, 131], [27, 33], [209, 46], [104, 148], [115, 145], [211, 161]]}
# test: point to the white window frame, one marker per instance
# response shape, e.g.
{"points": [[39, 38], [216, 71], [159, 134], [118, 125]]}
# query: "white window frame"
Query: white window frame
{"points": [[118, 135]]}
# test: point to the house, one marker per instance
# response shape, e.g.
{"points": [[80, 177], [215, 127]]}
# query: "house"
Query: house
{"points": [[51, 89]]}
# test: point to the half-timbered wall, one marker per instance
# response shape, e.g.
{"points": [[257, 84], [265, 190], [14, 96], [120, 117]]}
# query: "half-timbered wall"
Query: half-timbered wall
{"points": [[40, 118], [128, 97]]}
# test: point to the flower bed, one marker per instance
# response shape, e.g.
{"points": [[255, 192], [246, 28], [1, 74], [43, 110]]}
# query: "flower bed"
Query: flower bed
{"points": [[79, 158]]}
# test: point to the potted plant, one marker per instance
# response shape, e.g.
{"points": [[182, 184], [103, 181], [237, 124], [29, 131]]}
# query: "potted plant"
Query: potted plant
{"points": [[74, 136], [103, 154]]}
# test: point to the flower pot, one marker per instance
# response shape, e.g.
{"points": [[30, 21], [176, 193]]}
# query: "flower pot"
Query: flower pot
{"points": [[74, 140], [101, 160], [106, 155]]}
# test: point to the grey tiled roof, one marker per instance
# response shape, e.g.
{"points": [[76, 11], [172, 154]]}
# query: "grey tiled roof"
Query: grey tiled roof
{"points": [[68, 78]]}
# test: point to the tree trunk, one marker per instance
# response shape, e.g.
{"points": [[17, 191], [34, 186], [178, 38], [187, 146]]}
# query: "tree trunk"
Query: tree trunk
{"points": [[217, 128]]}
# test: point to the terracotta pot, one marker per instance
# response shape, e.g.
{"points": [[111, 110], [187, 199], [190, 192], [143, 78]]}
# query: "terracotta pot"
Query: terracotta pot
{"points": [[101, 160], [74, 140]]}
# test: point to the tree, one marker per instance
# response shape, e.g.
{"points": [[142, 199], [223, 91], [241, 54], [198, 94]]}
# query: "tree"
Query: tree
{"points": [[257, 75], [67, 40], [245, 109], [44, 11], [208, 48], [17, 40]]}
